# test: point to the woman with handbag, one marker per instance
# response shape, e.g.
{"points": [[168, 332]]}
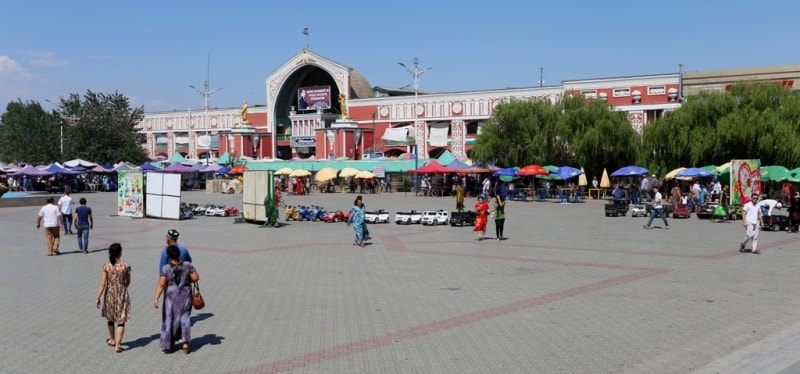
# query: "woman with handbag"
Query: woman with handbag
{"points": [[176, 280]]}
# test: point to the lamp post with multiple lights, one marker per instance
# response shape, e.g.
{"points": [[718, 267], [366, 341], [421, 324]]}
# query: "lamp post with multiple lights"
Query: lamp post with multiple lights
{"points": [[416, 73], [206, 95]]}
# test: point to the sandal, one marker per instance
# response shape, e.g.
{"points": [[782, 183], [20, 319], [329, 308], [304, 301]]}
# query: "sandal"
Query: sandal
{"points": [[119, 349], [111, 342], [186, 348]]}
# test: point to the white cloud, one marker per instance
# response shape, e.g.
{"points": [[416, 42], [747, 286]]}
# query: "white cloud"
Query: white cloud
{"points": [[11, 69], [46, 59]]}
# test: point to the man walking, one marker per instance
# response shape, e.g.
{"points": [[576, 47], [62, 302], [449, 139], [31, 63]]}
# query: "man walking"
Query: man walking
{"points": [[51, 217], [658, 209], [65, 205], [83, 223], [172, 239], [753, 221]]}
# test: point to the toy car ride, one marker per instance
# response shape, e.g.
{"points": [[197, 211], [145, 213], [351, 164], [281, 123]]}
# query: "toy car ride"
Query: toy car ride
{"points": [[776, 222], [407, 218], [462, 218], [435, 217], [616, 208], [377, 216], [638, 211]]}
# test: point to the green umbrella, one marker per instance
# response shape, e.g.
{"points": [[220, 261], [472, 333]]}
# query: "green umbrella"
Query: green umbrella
{"points": [[774, 173], [711, 168]]}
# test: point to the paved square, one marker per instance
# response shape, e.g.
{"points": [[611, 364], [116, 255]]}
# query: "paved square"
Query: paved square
{"points": [[568, 291]]}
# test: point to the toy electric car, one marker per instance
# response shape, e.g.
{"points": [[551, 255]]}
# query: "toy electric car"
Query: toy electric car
{"points": [[377, 216], [776, 222], [462, 218], [407, 218], [616, 208], [435, 217], [638, 211]]}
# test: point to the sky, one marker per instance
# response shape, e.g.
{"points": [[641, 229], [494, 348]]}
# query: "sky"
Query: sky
{"points": [[151, 51]]}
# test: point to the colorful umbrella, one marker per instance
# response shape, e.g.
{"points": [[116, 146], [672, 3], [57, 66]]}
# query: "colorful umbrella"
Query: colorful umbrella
{"points": [[283, 171], [238, 169], [533, 170], [582, 179], [348, 172], [775, 173]]}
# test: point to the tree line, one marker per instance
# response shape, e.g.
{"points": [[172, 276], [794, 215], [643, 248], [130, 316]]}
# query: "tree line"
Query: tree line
{"points": [[754, 120]]}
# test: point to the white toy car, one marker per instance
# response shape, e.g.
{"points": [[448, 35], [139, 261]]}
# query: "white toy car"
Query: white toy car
{"points": [[407, 218], [377, 216], [435, 217], [638, 211]]}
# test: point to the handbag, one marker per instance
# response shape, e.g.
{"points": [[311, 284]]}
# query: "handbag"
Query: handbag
{"points": [[197, 298]]}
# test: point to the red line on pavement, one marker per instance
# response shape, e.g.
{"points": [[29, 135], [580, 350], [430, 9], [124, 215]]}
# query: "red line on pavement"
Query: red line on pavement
{"points": [[393, 243]]}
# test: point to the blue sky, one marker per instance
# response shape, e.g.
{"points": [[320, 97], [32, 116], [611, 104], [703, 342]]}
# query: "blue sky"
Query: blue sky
{"points": [[150, 51]]}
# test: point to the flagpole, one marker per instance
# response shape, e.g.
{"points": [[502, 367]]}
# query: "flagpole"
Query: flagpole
{"points": [[305, 32]]}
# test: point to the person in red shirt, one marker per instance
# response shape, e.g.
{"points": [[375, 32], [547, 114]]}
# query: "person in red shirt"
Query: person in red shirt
{"points": [[481, 216]]}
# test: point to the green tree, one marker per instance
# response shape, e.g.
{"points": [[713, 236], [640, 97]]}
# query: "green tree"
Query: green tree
{"points": [[29, 134], [573, 132], [104, 129], [753, 120]]}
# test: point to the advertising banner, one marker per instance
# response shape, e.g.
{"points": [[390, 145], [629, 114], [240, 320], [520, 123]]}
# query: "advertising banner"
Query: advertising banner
{"points": [[315, 97], [745, 180], [130, 196]]}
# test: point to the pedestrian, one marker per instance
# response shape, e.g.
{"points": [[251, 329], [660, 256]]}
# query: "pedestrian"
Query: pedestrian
{"points": [[658, 209], [794, 213], [499, 212], [768, 205], [481, 215], [459, 198], [654, 183], [50, 216], [363, 206], [676, 194], [116, 307], [357, 219], [65, 204], [644, 189], [172, 239], [752, 222], [175, 281], [83, 222]]}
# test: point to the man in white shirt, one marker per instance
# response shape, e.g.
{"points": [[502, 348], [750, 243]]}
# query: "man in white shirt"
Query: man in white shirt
{"points": [[767, 205], [51, 217], [658, 209], [752, 222], [595, 183], [65, 206], [644, 189]]}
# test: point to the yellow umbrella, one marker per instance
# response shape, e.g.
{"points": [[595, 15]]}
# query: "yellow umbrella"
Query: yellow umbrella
{"points": [[326, 174], [365, 174], [672, 174], [283, 171], [582, 179], [604, 181], [348, 172], [300, 173]]}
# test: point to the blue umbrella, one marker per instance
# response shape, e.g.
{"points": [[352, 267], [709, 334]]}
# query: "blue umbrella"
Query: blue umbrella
{"points": [[567, 172], [630, 171], [223, 170], [507, 172], [694, 173]]}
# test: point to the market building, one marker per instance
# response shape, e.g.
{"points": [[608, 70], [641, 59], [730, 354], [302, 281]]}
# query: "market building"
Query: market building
{"points": [[321, 109]]}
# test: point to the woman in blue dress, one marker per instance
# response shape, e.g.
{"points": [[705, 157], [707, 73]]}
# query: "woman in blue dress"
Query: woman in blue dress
{"points": [[176, 278], [357, 219]]}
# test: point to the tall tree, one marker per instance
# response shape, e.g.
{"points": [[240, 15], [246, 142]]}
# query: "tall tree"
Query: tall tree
{"points": [[29, 134], [104, 129]]}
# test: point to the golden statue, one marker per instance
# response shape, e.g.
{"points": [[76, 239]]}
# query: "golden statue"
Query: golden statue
{"points": [[243, 111], [343, 106]]}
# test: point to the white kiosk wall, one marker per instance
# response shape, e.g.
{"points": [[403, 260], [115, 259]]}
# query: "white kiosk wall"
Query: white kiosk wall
{"points": [[163, 195]]}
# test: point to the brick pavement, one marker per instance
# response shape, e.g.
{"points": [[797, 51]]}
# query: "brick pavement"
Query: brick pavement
{"points": [[569, 291]]}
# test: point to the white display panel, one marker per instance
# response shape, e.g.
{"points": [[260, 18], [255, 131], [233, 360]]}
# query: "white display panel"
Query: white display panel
{"points": [[163, 193]]}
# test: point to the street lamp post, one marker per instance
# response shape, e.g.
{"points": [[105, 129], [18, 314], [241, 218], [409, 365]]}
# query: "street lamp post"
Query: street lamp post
{"points": [[373, 133], [61, 130], [356, 140], [206, 95], [416, 73]]}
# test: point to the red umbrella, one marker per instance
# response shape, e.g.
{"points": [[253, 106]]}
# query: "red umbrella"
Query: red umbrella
{"points": [[533, 170], [238, 169]]}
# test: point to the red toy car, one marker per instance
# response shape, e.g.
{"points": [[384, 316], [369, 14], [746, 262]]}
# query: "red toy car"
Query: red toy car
{"points": [[336, 216], [230, 211]]}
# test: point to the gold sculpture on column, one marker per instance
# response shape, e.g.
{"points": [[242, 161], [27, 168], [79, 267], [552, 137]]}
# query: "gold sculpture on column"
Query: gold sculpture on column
{"points": [[243, 112], [343, 106]]}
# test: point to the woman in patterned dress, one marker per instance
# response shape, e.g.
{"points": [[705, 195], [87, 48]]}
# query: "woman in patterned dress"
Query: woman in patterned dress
{"points": [[481, 216], [357, 219], [176, 278], [114, 280]]}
